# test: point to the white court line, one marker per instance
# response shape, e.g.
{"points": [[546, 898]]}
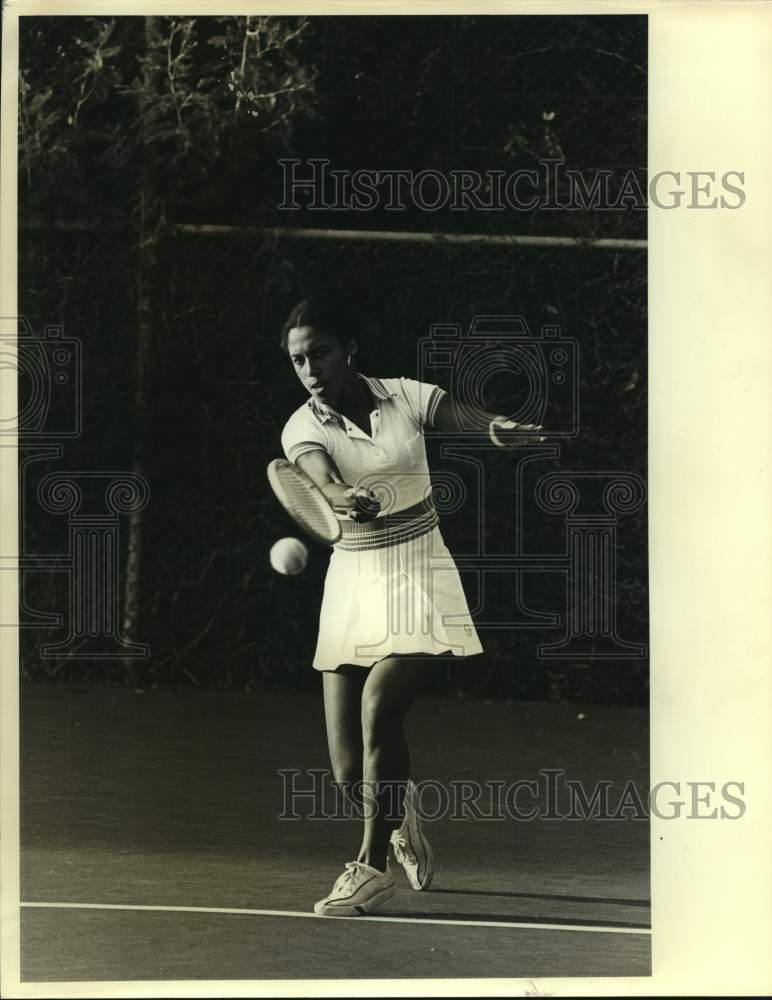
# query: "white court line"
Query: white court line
{"points": [[589, 929]]}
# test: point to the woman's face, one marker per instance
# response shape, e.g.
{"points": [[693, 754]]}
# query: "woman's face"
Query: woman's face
{"points": [[320, 362]]}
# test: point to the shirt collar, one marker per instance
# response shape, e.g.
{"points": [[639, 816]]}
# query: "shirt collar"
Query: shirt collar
{"points": [[327, 413], [377, 388]]}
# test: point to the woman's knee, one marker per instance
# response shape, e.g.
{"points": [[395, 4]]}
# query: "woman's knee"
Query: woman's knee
{"points": [[380, 719]]}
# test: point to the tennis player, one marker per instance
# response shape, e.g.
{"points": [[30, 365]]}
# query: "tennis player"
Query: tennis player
{"points": [[393, 602]]}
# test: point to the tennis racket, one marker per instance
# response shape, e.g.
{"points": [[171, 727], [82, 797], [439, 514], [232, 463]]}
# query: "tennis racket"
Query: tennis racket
{"points": [[304, 501]]}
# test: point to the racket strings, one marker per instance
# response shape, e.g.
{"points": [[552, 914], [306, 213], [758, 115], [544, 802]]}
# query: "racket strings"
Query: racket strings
{"points": [[305, 502]]}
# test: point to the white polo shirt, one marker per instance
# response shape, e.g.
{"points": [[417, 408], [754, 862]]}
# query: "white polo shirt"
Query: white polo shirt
{"points": [[391, 462]]}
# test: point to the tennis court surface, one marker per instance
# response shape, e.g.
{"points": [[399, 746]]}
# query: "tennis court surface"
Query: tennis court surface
{"points": [[152, 847]]}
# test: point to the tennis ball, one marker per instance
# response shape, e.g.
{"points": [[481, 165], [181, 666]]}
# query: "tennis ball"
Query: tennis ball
{"points": [[289, 556]]}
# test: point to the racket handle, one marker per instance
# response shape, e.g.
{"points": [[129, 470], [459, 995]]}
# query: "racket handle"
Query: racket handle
{"points": [[366, 501]]}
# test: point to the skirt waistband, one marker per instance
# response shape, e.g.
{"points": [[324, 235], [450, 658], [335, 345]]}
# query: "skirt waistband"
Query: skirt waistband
{"points": [[392, 529]]}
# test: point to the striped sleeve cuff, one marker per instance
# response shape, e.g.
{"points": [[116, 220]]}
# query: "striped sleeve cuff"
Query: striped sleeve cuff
{"points": [[434, 401], [302, 448]]}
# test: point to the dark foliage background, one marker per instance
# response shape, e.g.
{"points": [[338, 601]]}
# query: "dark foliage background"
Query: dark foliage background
{"points": [[114, 117]]}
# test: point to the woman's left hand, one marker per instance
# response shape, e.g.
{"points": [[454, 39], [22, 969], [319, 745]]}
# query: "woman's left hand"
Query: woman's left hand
{"points": [[505, 433]]}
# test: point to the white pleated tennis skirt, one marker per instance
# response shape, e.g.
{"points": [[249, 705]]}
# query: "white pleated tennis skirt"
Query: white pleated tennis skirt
{"points": [[398, 599]]}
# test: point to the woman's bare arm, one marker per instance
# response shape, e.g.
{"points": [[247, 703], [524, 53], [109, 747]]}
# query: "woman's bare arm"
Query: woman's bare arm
{"points": [[453, 416], [358, 504]]}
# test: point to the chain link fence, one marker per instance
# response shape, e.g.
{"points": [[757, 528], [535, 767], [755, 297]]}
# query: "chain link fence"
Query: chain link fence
{"points": [[444, 94], [212, 610]]}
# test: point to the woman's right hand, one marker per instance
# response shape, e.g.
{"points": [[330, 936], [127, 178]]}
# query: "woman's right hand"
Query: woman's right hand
{"points": [[366, 506], [357, 503]]}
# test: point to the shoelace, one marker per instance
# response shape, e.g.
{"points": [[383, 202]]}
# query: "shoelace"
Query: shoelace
{"points": [[348, 876]]}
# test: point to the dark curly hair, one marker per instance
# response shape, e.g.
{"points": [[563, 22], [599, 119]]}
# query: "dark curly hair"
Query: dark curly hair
{"points": [[332, 314]]}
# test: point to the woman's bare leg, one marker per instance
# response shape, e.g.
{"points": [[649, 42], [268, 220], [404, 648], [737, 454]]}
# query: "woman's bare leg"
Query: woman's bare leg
{"points": [[343, 719], [391, 687]]}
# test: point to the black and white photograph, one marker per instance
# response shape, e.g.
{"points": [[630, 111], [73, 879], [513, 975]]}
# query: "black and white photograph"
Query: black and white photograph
{"points": [[332, 358]]}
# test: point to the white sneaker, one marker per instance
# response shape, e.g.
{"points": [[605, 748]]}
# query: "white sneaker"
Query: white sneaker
{"points": [[411, 848], [359, 890]]}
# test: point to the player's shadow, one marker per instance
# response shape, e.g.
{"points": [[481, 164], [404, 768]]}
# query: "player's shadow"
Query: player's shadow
{"points": [[551, 898]]}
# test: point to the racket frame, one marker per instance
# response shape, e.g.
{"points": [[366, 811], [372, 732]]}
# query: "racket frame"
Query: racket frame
{"points": [[275, 470]]}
